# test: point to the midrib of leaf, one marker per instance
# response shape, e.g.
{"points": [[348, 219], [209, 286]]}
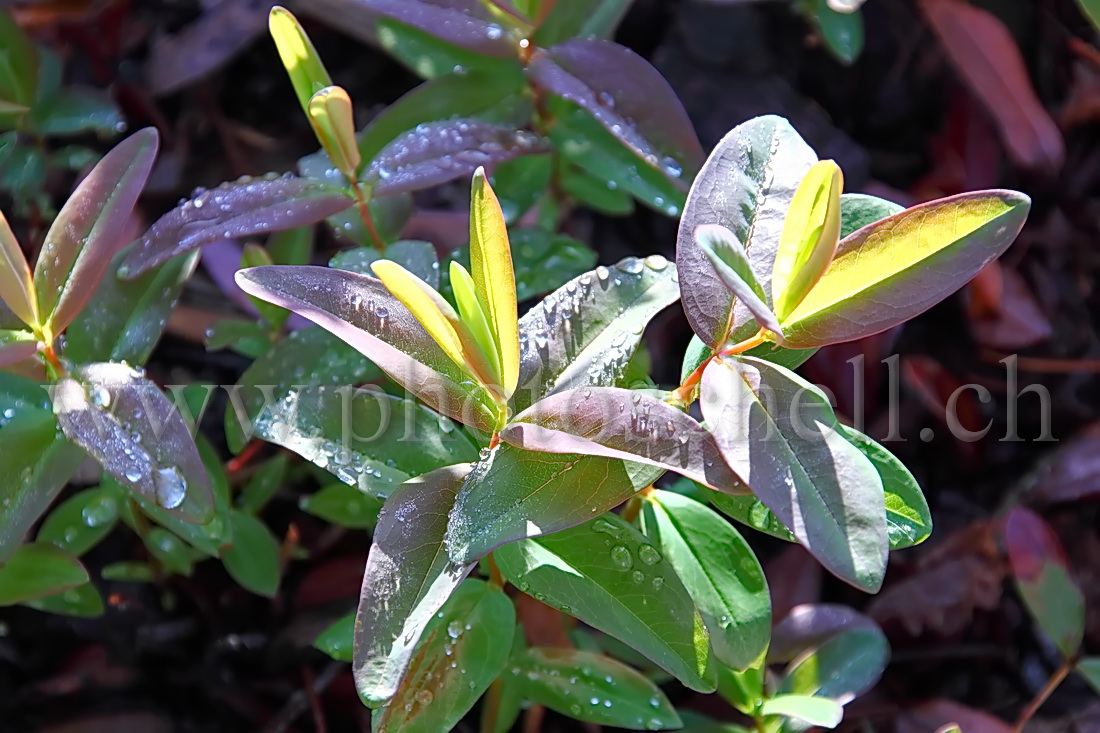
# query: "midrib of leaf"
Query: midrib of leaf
{"points": [[698, 561]]}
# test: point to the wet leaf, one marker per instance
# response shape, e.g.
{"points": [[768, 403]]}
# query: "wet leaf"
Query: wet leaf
{"points": [[123, 420], [170, 551], [253, 557], [594, 192], [344, 506], [83, 601], [518, 184], [731, 263], [417, 257], [16, 282], [37, 570], [813, 710], [362, 312], [842, 668], [888, 272], [609, 576], [249, 338], [1043, 580], [463, 649], [746, 185], [80, 522], [437, 152], [463, 23], [592, 688], [719, 570], [820, 486], [238, 209], [407, 579], [625, 424], [86, 233]]}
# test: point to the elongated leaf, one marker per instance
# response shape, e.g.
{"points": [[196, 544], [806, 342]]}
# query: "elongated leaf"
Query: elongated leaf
{"points": [[585, 333], [842, 668], [626, 424], [253, 557], [80, 522], [746, 185], [593, 688], [407, 579], [464, 23], [82, 601], [475, 317], [124, 320], [858, 210], [16, 282], [362, 312], [514, 494], [170, 552], [300, 59], [18, 64], [437, 152], [86, 233], [697, 352], [778, 432], [344, 506], [333, 119], [627, 96], [580, 19], [463, 649], [494, 278], [609, 576], [732, 265], [719, 570], [16, 346], [37, 570], [238, 209], [74, 110], [890, 271], [1043, 580], [263, 485], [519, 183], [813, 710], [123, 420]]}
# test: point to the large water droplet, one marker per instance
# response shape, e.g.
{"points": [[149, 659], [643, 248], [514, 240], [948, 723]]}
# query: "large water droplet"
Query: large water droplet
{"points": [[171, 487], [621, 556], [649, 555]]}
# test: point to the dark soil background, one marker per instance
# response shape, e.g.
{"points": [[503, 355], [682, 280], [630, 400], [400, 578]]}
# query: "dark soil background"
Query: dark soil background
{"points": [[201, 654]]}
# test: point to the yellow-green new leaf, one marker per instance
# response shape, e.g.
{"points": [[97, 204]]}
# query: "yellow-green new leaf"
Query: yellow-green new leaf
{"points": [[494, 278], [330, 113], [16, 281], [811, 231], [303, 65], [434, 313], [473, 315]]}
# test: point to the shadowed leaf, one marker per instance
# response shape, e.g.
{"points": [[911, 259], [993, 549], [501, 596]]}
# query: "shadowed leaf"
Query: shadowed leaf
{"points": [[842, 668], [80, 522], [809, 626], [464, 23], [857, 210], [252, 558], [16, 346], [37, 570], [83, 601], [842, 32]]}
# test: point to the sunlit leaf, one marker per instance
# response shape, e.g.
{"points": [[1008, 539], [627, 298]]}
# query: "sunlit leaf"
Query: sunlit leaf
{"points": [[238, 209], [86, 233], [733, 268], [80, 522], [252, 559], [333, 119], [407, 579], [819, 485], [16, 281], [122, 419], [300, 59], [37, 570], [465, 24], [813, 710], [612, 578], [887, 273]]}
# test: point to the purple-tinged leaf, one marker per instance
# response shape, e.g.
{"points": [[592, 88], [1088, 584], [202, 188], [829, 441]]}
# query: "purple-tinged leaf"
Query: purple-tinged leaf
{"points": [[584, 333], [15, 346], [515, 494], [437, 152], [810, 625], [464, 23], [360, 310], [88, 230], [16, 281], [625, 424], [129, 427], [746, 185], [627, 96], [239, 209], [731, 263], [407, 579], [779, 434]]}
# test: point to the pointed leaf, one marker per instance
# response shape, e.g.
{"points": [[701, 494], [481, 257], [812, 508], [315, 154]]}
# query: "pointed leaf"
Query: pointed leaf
{"points": [[697, 352], [842, 668], [584, 333], [609, 576], [253, 557], [333, 119], [407, 579], [728, 258], [238, 209], [16, 282], [437, 152], [857, 210], [813, 710], [130, 428], [625, 424], [810, 626], [778, 432], [37, 570], [463, 649], [80, 522], [592, 688], [719, 570], [83, 601], [86, 233], [842, 32], [890, 271], [746, 185], [514, 494], [474, 316], [300, 58], [362, 312]]}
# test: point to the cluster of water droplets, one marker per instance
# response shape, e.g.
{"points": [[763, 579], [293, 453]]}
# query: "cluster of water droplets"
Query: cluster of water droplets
{"points": [[639, 563]]}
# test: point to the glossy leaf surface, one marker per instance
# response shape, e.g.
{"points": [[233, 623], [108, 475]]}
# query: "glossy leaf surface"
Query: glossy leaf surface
{"points": [[842, 668], [80, 522], [857, 210], [465, 23], [37, 570]]}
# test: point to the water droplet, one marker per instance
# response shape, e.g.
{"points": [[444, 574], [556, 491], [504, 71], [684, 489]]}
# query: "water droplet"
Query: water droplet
{"points": [[171, 487], [100, 397], [605, 527], [638, 577], [454, 629], [649, 555], [133, 475], [658, 582], [656, 263], [424, 697], [99, 512], [621, 556]]}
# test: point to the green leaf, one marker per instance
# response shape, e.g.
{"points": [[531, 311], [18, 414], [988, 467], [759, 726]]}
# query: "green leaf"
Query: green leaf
{"points": [[263, 485], [344, 506], [720, 572], [857, 210], [813, 710], [842, 32], [16, 282], [429, 55], [514, 494], [80, 522], [83, 601], [743, 690], [1089, 667], [609, 576], [299, 57], [84, 237], [819, 485], [592, 688], [417, 257], [697, 352], [519, 183], [37, 570], [253, 255], [751, 512], [844, 667], [74, 110], [593, 192], [461, 652], [580, 19], [247, 338], [124, 320], [18, 63], [291, 246], [170, 551], [338, 639], [729, 260], [253, 557], [132, 572], [747, 185], [887, 273], [407, 579]]}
